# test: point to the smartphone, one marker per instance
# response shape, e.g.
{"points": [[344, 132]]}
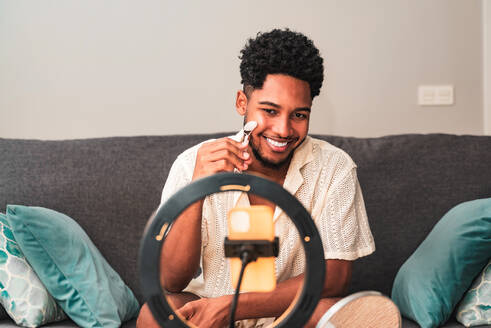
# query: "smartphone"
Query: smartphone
{"points": [[253, 223]]}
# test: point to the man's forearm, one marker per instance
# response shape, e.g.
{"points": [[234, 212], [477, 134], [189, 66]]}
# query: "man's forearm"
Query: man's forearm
{"points": [[271, 304], [181, 250]]}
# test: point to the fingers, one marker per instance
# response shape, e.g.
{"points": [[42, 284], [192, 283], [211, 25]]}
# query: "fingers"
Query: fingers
{"points": [[228, 145], [222, 155], [226, 158], [185, 311]]}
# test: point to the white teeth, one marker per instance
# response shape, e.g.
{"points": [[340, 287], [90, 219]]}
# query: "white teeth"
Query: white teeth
{"points": [[276, 143]]}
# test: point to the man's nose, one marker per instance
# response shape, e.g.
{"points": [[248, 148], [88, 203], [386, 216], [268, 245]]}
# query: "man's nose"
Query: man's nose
{"points": [[282, 127]]}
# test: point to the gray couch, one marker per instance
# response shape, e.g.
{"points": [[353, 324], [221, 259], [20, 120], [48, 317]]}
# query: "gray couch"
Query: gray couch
{"points": [[112, 185]]}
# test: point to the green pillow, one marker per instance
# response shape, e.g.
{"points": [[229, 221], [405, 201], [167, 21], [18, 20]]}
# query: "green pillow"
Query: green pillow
{"points": [[70, 266], [475, 307], [431, 282], [22, 294]]}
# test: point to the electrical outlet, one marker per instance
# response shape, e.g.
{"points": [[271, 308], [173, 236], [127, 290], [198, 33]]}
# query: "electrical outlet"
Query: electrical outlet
{"points": [[435, 95]]}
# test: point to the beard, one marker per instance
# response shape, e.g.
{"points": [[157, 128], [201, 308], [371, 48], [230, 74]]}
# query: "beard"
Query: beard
{"points": [[268, 163]]}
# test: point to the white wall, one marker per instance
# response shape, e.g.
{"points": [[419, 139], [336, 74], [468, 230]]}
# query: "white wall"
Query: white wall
{"points": [[78, 69]]}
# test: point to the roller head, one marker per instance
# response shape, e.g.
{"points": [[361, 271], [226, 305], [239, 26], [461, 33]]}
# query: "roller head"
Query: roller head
{"points": [[251, 125]]}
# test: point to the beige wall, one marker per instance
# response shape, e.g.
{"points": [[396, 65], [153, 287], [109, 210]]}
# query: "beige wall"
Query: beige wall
{"points": [[487, 65], [78, 69]]}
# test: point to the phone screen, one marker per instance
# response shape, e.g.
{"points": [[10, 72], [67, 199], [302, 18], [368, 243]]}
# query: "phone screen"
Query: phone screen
{"points": [[253, 223]]}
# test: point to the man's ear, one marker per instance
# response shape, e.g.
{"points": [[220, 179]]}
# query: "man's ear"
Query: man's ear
{"points": [[241, 103]]}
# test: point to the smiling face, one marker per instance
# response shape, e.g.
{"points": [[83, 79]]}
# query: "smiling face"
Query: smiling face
{"points": [[282, 110]]}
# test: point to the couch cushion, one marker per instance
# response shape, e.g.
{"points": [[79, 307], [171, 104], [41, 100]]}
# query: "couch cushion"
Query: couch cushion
{"points": [[63, 324], [434, 278], [74, 272], [475, 307], [22, 294]]}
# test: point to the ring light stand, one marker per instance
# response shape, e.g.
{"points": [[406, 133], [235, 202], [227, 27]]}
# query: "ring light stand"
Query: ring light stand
{"points": [[153, 237]]}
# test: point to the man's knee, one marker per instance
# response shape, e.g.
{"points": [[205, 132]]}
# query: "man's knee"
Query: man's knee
{"points": [[146, 319], [179, 299], [323, 305]]}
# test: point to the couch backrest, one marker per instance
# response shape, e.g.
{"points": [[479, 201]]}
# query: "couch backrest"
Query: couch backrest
{"points": [[112, 185], [409, 182]]}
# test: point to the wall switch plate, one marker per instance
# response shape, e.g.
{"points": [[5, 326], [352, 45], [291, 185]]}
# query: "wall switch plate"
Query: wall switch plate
{"points": [[436, 95]]}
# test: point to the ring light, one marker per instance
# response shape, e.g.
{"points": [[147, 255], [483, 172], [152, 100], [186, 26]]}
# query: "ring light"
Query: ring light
{"points": [[151, 244]]}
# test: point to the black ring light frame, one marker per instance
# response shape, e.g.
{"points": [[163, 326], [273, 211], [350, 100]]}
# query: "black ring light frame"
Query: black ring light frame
{"points": [[151, 244]]}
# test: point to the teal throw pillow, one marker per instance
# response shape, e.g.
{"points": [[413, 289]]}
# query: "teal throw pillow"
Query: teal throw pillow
{"points": [[22, 294], [73, 270], [434, 278], [475, 307]]}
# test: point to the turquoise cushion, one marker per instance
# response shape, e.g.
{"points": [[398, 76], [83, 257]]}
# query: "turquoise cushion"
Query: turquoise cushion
{"points": [[431, 282], [475, 307], [70, 266], [22, 294]]}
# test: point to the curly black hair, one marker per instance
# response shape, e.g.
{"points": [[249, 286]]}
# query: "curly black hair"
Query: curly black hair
{"points": [[281, 52]]}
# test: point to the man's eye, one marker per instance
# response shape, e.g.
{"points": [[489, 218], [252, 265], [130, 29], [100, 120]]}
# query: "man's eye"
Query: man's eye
{"points": [[269, 111], [300, 116]]}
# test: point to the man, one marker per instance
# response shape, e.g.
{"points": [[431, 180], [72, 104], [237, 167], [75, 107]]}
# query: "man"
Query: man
{"points": [[282, 72]]}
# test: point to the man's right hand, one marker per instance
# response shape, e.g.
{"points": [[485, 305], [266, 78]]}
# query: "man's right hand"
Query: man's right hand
{"points": [[222, 155]]}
